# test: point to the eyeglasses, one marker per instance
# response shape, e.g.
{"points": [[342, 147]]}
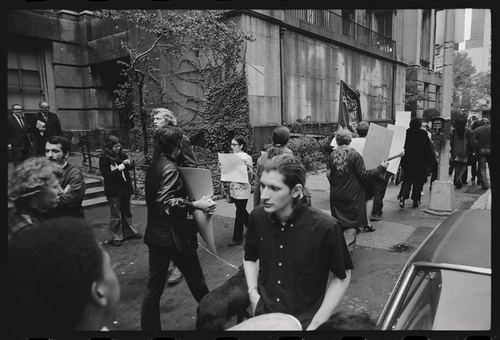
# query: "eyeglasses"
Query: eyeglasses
{"points": [[234, 144]]}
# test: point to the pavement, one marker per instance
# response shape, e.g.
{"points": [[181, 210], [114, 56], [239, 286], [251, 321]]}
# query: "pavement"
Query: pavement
{"points": [[378, 257]]}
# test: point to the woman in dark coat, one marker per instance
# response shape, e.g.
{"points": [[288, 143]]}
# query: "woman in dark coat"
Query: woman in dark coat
{"points": [[419, 155], [346, 173], [114, 166], [462, 143]]}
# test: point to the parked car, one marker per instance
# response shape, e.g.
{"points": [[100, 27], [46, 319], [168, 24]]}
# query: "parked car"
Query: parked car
{"points": [[446, 283]]}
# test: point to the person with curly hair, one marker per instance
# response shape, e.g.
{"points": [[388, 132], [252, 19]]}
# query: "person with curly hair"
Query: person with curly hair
{"points": [[33, 189], [60, 280], [114, 166], [346, 173]]}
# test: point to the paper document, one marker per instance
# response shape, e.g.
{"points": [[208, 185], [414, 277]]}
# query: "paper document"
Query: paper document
{"points": [[233, 167]]}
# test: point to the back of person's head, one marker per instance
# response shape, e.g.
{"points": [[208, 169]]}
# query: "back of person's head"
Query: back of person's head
{"points": [[292, 170], [485, 121], [477, 123], [31, 177], [241, 141], [460, 123], [167, 138], [65, 145], [169, 116], [415, 123], [280, 136], [343, 137], [347, 321], [60, 278], [362, 128]]}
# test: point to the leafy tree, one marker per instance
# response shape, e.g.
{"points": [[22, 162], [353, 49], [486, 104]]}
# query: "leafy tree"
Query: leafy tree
{"points": [[430, 113], [464, 96], [414, 91], [200, 39]]}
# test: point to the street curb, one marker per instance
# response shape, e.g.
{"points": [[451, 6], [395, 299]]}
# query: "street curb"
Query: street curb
{"points": [[439, 212]]}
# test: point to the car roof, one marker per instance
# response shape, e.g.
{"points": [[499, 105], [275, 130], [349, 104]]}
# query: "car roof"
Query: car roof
{"points": [[464, 238]]}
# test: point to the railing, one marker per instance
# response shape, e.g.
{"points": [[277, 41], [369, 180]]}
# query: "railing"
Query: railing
{"points": [[331, 21]]}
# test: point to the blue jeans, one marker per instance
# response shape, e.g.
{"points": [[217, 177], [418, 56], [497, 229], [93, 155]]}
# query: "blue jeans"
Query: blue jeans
{"points": [[159, 259], [120, 222]]}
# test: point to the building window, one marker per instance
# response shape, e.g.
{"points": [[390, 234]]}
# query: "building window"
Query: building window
{"points": [[384, 24], [347, 22], [426, 38], [24, 78]]}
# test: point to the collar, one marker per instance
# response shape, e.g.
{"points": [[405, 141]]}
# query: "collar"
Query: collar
{"points": [[164, 155], [65, 165], [28, 210], [296, 212]]}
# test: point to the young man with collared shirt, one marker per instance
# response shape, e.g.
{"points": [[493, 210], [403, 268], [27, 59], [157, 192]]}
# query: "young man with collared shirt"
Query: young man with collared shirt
{"points": [[291, 248], [72, 180]]}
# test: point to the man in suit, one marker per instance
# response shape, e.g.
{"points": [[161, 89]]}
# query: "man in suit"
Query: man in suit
{"points": [[44, 125], [18, 136]]}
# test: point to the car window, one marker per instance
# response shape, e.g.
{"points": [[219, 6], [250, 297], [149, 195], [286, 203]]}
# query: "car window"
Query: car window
{"points": [[445, 300]]}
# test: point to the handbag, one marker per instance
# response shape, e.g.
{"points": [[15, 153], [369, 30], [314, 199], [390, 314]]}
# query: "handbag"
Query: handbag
{"points": [[184, 234]]}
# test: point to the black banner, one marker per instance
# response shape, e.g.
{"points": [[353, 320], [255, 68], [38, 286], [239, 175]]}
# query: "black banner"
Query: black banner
{"points": [[349, 107]]}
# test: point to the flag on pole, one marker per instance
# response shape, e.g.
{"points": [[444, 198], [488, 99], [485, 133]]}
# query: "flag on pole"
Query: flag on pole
{"points": [[349, 107]]}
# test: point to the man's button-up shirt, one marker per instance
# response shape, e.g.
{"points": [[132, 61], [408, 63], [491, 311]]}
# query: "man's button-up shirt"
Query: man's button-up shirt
{"points": [[295, 259]]}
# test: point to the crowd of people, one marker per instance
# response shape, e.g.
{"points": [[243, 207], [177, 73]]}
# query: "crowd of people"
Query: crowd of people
{"points": [[296, 258]]}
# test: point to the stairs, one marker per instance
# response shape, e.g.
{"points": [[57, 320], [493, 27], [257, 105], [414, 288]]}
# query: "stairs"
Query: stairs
{"points": [[94, 194]]}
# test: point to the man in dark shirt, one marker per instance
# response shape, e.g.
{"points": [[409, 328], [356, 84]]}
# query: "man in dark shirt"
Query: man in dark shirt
{"points": [[483, 137], [72, 180], [44, 125], [291, 248]]}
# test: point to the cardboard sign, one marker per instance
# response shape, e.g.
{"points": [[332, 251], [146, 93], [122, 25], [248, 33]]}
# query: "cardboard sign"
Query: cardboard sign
{"points": [[233, 167], [377, 146], [403, 118], [398, 143], [198, 183]]}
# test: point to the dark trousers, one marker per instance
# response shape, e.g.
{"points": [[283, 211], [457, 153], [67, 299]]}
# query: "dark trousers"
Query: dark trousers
{"points": [[460, 169], [159, 258], [378, 198], [120, 221], [484, 156], [240, 220], [19, 155], [416, 177]]}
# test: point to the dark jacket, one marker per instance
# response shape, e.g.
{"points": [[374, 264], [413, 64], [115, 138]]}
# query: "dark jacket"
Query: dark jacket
{"points": [[114, 182], [53, 128], [419, 151], [186, 156], [165, 199], [461, 147], [483, 136], [19, 138], [70, 203]]}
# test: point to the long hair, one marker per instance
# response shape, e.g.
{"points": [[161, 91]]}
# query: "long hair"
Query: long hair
{"points": [[241, 141], [111, 141], [460, 123]]}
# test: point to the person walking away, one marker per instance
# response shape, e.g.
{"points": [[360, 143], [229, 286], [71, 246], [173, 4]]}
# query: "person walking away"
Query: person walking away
{"points": [[72, 181], [168, 207], [461, 141], [186, 158], [240, 192], [114, 166], [483, 136], [418, 156], [475, 176], [44, 125], [18, 134], [280, 138], [33, 188], [291, 249], [346, 172]]}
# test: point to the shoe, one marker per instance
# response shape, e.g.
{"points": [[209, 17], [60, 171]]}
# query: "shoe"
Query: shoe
{"points": [[401, 202], [234, 243], [375, 217], [115, 243], [416, 203], [369, 228], [458, 184], [473, 179], [138, 235], [484, 187], [175, 277]]}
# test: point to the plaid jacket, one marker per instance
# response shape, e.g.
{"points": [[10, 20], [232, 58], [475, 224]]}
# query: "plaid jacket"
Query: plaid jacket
{"points": [[21, 217]]}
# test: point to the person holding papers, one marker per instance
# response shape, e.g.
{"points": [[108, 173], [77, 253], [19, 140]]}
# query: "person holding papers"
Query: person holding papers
{"points": [[240, 191]]}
